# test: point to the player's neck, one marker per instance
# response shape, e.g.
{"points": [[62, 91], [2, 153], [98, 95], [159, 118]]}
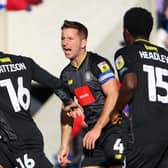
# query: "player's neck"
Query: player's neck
{"points": [[142, 38], [79, 59]]}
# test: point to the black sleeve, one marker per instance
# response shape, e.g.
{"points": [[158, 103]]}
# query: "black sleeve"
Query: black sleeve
{"points": [[101, 68], [124, 62], [45, 78]]}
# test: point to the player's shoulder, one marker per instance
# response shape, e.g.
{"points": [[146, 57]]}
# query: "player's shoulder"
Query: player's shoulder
{"points": [[151, 47], [15, 57], [124, 50], [99, 63], [6, 55], [95, 57], [162, 50], [67, 68]]}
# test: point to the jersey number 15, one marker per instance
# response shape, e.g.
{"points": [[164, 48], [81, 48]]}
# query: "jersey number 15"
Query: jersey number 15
{"points": [[155, 80]]}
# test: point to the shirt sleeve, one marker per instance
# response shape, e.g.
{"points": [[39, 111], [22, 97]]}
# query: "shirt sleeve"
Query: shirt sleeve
{"points": [[102, 69], [45, 78], [124, 63]]}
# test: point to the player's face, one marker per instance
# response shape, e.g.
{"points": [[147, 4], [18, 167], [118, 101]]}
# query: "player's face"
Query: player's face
{"points": [[72, 43]]}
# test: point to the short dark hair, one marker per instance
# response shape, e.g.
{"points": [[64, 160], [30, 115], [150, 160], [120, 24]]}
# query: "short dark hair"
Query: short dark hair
{"points": [[83, 31], [138, 21]]}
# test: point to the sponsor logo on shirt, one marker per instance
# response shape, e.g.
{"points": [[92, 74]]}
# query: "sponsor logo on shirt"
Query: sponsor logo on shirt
{"points": [[84, 95], [5, 59], [151, 48]]}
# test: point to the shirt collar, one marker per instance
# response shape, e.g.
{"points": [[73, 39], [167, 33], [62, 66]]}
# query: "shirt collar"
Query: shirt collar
{"points": [[85, 54]]}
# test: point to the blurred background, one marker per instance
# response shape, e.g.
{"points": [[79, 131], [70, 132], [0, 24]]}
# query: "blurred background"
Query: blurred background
{"points": [[33, 29]]}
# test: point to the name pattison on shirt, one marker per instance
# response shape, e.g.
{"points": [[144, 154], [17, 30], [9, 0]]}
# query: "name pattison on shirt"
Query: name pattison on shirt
{"points": [[12, 67]]}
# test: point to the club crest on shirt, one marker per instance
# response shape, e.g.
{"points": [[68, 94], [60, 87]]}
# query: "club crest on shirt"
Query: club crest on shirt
{"points": [[103, 66], [119, 62], [88, 76]]}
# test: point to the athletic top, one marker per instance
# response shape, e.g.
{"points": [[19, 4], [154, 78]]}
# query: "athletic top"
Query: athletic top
{"points": [[16, 74], [149, 107], [85, 83]]}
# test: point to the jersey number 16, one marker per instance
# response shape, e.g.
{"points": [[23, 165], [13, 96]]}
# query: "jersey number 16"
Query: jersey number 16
{"points": [[19, 98]]}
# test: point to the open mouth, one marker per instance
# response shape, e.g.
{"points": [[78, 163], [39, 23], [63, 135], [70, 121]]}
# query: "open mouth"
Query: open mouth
{"points": [[67, 50]]}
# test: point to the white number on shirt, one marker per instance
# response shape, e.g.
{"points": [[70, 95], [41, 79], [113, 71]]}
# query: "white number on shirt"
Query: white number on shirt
{"points": [[19, 99], [119, 146], [27, 162], [155, 80]]}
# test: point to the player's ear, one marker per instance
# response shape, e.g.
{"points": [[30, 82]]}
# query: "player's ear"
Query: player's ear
{"points": [[128, 37], [83, 43], [125, 33]]}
